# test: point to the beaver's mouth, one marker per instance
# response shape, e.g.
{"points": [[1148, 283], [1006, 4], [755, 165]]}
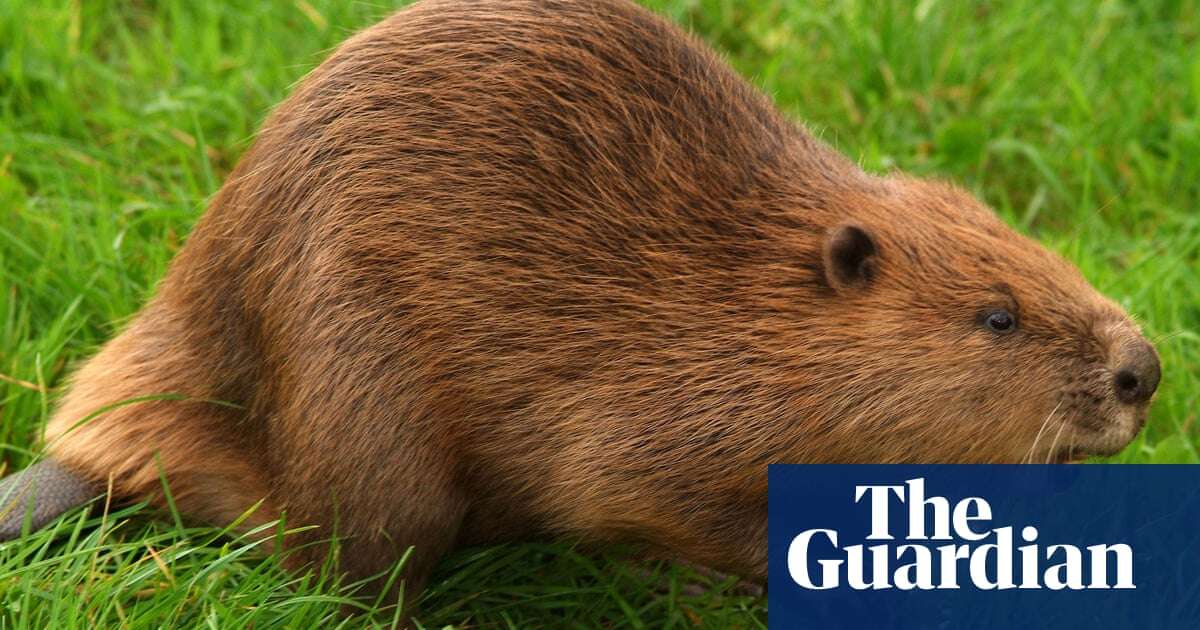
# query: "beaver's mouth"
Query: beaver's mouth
{"points": [[1070, 456], [1101, 432], [1088, 444], [1102, 446]]}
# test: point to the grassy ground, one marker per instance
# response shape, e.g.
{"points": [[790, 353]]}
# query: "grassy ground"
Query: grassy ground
{"points": [[1079, 122]]}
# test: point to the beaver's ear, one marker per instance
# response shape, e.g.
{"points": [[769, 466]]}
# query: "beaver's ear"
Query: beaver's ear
{"points": [[850, 257]]}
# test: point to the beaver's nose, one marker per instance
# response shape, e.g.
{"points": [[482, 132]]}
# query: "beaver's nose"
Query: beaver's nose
{"points": [[1137, 373]]}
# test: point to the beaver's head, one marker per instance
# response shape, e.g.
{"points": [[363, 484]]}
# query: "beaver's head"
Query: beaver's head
{"points": [[961, 340]]}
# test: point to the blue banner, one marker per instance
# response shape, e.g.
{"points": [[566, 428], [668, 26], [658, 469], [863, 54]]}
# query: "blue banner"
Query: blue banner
{"points": [[974, 546]]}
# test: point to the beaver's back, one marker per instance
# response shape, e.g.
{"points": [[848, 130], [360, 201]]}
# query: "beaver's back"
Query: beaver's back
{"points": [[540, 135]]}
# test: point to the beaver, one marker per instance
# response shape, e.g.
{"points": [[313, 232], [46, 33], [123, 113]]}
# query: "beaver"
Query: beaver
{"points": [[519, 268]]}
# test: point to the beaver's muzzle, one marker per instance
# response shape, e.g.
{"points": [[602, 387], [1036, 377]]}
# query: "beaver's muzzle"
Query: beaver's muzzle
{"points": [[1137, 373]]}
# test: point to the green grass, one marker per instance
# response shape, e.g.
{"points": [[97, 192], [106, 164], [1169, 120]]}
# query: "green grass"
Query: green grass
{"points": [[1078, 122]]}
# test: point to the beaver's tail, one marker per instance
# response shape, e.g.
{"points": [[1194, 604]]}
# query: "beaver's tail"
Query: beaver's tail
{"points": [[39, 494]]}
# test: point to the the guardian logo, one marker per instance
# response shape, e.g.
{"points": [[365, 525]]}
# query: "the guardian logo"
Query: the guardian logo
{"points": [[973, 552]]}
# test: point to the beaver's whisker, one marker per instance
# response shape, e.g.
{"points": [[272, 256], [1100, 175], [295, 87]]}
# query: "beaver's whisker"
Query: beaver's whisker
{"points": [[1033, 447], [1054, 444]]}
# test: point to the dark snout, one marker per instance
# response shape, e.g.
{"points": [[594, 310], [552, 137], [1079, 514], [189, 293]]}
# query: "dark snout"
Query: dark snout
{"points": [[1136, 373]]}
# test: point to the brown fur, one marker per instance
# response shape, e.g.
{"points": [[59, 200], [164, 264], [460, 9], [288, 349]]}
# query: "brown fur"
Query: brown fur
{"points": [[526, 267]]}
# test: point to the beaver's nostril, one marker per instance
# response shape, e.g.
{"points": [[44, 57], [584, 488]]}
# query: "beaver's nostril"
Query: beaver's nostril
{"points": [[1137, 378], [1127, 385]]}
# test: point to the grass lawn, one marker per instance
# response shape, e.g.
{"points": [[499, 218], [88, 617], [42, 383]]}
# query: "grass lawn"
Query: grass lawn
{"points": [[1078, 121]]}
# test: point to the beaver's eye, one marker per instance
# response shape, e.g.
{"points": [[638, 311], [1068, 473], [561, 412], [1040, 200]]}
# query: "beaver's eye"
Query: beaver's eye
{"points": [[1000, 322]]}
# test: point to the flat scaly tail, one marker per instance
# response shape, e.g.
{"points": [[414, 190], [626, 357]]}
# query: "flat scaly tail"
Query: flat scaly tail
{"points": [[38, 495]]}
